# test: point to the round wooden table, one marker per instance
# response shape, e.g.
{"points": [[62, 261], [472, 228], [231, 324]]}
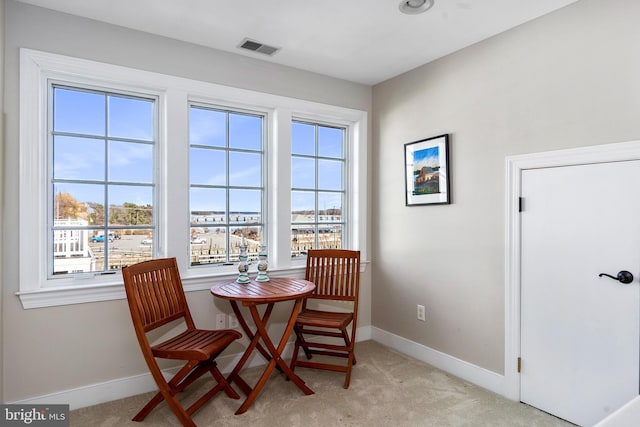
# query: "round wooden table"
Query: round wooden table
{"points": [[251, 295]]}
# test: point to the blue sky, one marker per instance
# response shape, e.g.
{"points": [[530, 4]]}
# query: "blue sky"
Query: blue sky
{"points": [[97, 118], [329, 171], [428, 157], [85, 122]]}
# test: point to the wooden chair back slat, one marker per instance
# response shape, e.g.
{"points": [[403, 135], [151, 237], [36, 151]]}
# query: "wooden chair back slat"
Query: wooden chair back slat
{"points": [[157, 293], [335, 272]]}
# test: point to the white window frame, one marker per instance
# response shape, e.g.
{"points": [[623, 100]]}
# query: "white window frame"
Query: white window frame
{"points": [[264, 182], [174, 95], [112, 90], [345, 242]]}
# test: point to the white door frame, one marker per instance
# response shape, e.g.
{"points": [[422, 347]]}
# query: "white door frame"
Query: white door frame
{"points": [[514, 166]]}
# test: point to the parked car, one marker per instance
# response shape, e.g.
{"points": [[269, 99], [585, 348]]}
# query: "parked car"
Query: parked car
{"points": [[198, 241], [147, 242], [114, 236], [100, 238]]}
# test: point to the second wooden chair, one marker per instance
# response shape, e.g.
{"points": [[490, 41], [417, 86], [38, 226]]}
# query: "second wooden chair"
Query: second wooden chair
{"points": [[336, 274]]}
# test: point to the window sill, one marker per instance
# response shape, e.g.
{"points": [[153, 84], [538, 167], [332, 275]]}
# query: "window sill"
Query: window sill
{"points": [[50, 297]]}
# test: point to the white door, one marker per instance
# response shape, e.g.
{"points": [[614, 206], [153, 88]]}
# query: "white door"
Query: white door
{"points": [[580, 333]]}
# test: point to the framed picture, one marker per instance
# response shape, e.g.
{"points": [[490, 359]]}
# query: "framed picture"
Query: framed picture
{"points": [[426, 164]]}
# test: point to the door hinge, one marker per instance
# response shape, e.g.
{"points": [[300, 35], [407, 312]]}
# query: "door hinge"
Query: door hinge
{"points": [[520, 204], [519, 364]]}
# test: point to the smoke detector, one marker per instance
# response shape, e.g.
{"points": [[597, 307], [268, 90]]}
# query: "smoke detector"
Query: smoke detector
{"points": [[414, 7]]}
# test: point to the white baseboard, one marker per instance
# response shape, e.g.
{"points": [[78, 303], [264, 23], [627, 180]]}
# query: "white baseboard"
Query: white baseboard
{"points": [[627, 416], [94, 394], [467, 371]]}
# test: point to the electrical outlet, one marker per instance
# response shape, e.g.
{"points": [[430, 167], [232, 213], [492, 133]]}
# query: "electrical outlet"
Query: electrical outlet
{"points": [[221, 321], [421, 313], [233, 321]]}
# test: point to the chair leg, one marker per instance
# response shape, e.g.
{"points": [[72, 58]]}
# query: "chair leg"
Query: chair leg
{"points": [[347, 351], [294, 356], [141, 415], [351, 360], [296, 349], [179, 382], [183, 378], [163, 385], [174, 405], [223, 382], [167, 390], [348, 344], [303, 343], [178, 410]]}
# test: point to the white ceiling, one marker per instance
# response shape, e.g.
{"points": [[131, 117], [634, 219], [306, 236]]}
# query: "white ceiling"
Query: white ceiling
{"points": [[365, 41]]}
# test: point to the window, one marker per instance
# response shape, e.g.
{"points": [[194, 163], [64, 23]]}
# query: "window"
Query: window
{"points": [[118, 165], [226, 184], [318, 195], [102, 180]]}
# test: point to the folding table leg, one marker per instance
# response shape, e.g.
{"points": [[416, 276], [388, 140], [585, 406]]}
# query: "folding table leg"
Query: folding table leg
{"points": [[253, 344], [247, 330], [281, 346], [276, 358]]}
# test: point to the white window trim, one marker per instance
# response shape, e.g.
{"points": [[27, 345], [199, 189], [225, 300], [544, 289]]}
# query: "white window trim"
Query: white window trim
{"points": [[174, 94]]}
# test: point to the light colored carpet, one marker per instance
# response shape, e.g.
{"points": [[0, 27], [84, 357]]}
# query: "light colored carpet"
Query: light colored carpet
{"points": [[387, 389]]}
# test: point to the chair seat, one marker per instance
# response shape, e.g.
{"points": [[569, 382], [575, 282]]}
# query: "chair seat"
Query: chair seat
{"points": [[195, 344], [324, 319]]}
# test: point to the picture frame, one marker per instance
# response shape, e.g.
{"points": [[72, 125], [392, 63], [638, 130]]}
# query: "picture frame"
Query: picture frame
{"points": [[427, 173]]}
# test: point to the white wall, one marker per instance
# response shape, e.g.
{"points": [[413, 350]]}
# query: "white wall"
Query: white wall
{"points": [[567, 79], [59, 348]]}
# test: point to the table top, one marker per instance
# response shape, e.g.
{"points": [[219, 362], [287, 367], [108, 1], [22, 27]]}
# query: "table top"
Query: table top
{"points": [[276, 289]]}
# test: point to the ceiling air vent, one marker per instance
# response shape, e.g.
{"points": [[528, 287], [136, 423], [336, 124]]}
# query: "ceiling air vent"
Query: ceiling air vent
{"points": [[258, 47]]}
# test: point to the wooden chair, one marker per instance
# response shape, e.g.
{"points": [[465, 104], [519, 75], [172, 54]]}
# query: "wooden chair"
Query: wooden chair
{"points": [[336, 274], [156, 298]]}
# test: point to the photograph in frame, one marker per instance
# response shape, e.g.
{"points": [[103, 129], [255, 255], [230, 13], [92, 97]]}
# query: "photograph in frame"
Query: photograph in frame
{"points": [[427, 171]]}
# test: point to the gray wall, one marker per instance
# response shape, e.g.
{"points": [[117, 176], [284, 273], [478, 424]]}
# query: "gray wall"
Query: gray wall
{"points": [[1, 179], [59, 348], [565, 80], [568, 79]]}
